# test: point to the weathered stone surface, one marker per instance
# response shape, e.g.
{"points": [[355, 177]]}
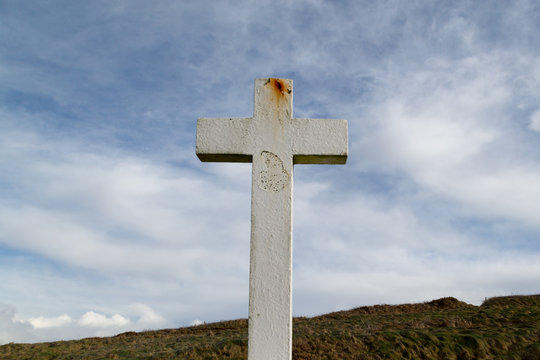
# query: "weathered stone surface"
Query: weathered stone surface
{"points": [[273, 141]]}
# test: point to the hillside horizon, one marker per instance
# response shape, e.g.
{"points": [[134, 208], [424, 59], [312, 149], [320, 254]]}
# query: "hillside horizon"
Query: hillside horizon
{"points": [[506, 327]]}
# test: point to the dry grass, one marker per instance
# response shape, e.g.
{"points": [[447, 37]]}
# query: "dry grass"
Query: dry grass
{"points": [[502, 328]]}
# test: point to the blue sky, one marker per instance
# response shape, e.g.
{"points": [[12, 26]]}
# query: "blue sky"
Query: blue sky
{"points": [[109, 222]]}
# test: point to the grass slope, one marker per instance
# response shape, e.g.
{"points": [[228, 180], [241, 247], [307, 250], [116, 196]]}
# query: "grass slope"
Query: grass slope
{"points": [[501, 328]]}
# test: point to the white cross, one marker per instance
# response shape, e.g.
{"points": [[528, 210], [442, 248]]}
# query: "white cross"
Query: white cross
{"points": [[273, 141]]}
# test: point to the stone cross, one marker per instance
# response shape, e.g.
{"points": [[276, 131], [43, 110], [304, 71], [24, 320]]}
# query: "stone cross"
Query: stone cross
{"points": [[273, 141]]}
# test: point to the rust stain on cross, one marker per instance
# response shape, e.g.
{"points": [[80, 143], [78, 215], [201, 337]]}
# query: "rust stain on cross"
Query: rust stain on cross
{"points": [[279, 86], [281, 91]]}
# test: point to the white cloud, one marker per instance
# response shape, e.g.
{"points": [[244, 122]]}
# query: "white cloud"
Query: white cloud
{"points": [[535, 121], [196, 322], [147, 317], [96, 320], [451, 127], [91, 323], [469, 281], [78, 199], [41, 322], [11, 329]]}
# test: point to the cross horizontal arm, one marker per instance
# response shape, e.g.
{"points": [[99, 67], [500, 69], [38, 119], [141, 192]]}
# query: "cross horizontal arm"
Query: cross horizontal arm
{"points": [[319, 141], [224, 139]]}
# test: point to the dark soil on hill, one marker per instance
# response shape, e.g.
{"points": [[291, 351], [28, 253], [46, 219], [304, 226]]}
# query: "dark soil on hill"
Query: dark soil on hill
{"points": [[501, 328]]}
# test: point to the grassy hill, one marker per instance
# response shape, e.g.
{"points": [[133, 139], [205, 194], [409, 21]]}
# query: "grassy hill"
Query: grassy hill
{"points": [[501, 328]]}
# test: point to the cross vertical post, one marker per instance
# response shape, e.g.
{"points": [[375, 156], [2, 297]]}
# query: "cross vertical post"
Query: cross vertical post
{"points": [[273, 141]]}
